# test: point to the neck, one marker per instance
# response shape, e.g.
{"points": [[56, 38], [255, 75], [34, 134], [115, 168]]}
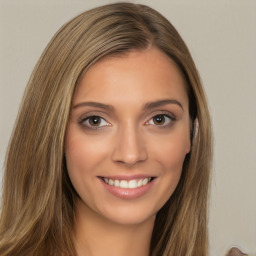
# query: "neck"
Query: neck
{"points": [[98, 236]]}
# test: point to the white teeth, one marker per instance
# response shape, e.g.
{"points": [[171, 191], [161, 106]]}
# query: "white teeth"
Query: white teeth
{"points": [[145, 181], [123, 184], [133, 184], [127, 184], [116, 183]]}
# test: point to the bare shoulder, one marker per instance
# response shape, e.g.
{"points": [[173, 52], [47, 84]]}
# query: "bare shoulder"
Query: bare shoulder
{"points": [[235, 252]]}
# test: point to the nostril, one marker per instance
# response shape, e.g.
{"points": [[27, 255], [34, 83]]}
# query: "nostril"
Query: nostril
{"points": [[129, 147]]}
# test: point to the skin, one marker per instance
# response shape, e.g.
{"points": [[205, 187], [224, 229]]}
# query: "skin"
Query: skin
{"points": [[131, 137]]}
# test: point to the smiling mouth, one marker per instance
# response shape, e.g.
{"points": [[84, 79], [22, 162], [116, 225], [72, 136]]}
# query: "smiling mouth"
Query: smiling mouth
{"points": [[136, 183]]}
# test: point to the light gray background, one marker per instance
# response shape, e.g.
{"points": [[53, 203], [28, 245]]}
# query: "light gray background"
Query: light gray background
{"points": [[221, 36]]}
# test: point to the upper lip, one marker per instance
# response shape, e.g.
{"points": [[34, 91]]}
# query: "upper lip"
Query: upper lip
{"points": [[127, 177]]}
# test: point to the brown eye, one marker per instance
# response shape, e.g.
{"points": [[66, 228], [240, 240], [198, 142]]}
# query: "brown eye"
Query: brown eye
{"points": [[159, 119], [94, 121]]}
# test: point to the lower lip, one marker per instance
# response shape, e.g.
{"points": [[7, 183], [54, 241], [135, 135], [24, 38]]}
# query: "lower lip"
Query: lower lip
{"points": [[128, 193]]}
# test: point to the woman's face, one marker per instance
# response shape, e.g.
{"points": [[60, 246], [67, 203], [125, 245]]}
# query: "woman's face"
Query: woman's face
{"points": [[127, 136]]}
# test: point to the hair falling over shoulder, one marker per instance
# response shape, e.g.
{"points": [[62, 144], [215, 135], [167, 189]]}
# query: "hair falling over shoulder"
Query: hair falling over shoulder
{"points": [[38, 198]]}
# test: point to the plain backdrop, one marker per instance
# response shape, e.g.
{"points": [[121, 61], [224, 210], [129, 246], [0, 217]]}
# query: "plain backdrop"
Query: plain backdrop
{"points": [[221, 36]]}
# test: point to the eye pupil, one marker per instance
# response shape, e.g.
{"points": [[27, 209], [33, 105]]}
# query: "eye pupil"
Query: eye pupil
{"points": [[159, 119], [95, 121]]}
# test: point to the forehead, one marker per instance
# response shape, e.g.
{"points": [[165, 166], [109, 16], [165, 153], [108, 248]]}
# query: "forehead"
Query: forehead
{"points": [[142, 75]]}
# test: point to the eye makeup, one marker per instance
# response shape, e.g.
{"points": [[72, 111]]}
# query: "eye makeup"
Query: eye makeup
{"points": [[162, 119], [93, 121]]}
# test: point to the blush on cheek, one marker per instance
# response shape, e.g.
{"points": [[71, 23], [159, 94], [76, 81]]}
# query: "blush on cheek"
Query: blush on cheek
{"points": [[83, 155], [173, 155]]}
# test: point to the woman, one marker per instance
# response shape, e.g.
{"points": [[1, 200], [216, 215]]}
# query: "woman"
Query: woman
{"points": [[111, 152]]}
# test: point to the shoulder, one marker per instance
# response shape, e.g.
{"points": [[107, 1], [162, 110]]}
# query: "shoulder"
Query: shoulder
{"points": [[235, 252]]}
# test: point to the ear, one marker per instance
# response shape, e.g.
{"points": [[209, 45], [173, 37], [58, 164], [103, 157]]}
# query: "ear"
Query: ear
{"points": [[195, 128], [193, 132]]}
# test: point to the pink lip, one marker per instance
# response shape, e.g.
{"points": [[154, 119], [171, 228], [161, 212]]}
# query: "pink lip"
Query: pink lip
{"points": [[128, 193], [127, 177]]}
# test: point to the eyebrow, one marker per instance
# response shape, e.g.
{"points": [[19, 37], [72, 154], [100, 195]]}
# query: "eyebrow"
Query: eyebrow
{"points": [[159, 103], [94, 104], [149, 105]]}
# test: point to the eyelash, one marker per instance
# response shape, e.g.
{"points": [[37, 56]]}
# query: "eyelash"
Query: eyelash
{"points": [[167, 123], [84, 122]]}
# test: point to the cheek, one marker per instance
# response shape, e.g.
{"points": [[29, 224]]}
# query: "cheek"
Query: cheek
{"points": [[172, 160], [80, 158], [85, 159], [169, 158], [83, 152], [173, 156], [171, 150]]}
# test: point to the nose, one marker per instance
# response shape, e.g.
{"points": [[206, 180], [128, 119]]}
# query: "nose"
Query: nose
{"points": [[129, 147]]}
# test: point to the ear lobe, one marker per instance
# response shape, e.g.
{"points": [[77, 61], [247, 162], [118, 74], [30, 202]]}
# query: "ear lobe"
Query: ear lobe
{"points": [[188, 149]]}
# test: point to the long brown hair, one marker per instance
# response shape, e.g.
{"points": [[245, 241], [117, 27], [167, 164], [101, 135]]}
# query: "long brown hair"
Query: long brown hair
{"points": [[38, 198]]}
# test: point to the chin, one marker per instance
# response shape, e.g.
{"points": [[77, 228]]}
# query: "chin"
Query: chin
{"points": [[129, 215]]}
